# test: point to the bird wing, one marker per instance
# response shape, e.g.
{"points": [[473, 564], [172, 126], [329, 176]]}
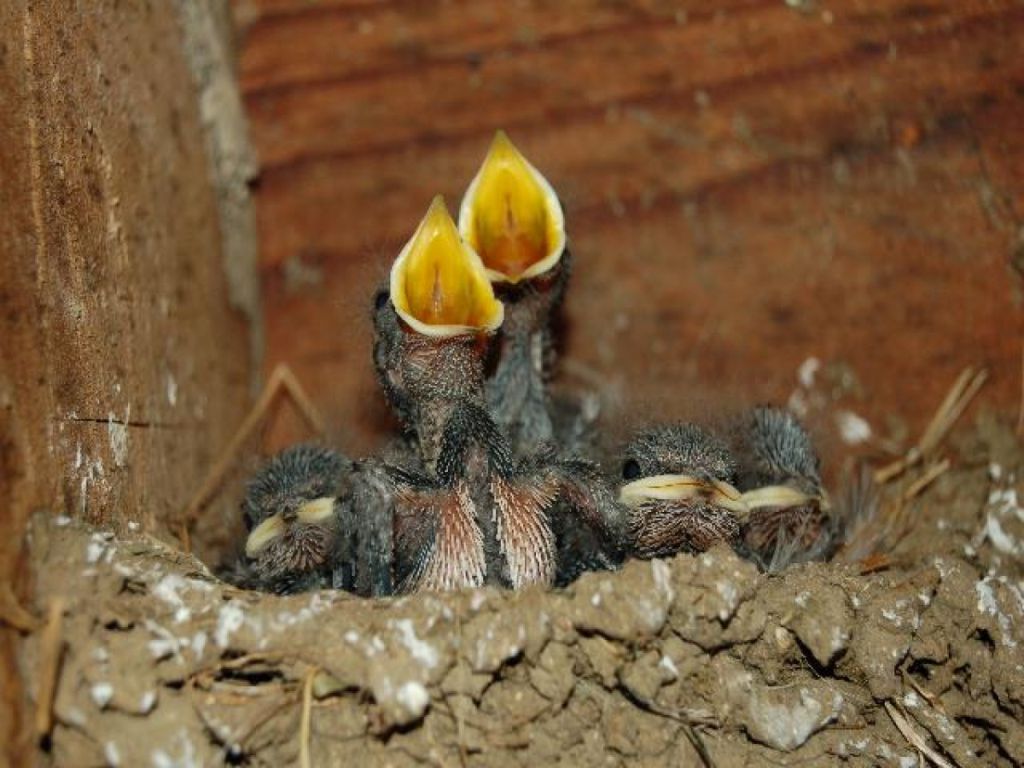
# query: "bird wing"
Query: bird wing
{"points": [[438, 537], [523, 528]]}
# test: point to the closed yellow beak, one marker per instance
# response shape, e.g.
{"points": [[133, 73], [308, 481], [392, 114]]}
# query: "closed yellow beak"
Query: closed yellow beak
{"points": [[680, 488], [315, 511], [784, 497], [263, 534], [511, 216], [438, 284]]}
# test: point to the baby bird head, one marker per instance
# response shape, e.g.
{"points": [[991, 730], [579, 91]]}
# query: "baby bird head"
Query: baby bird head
{"points": [[290, 508], [677, 462], [775, 449], [511, 216], [679, 490], [789, 513], [432, 321]]}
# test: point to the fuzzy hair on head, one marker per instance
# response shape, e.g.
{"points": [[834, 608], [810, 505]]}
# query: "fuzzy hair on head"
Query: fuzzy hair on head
{"points": [[678, 449]]}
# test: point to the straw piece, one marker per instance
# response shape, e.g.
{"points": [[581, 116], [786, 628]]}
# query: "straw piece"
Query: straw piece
{"points": [[13, 614], [51, 653], [927, 695], [934, 429], [953, 405], [281, 380], [916, 739], [874, 563], [307, 712], [957, 410], [931, 475]]}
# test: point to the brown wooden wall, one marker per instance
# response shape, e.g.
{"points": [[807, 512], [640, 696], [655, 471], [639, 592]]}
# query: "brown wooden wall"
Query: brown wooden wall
{"points": [[748, 184], [123, 368]]}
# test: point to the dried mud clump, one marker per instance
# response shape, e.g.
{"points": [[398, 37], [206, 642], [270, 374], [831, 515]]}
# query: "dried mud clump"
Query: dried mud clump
{"points": [[675, 662]]}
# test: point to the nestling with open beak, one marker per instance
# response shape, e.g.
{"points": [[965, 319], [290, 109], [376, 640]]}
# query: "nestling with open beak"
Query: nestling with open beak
{"points": [[789, 515], [468, 513], [291, 508], [680, 491], [512, 218], [432, 327], [431, 334]]}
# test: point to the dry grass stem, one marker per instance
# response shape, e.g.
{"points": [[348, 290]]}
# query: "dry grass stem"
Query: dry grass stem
{"points": [[887, 521], [281, 381], [264, 717], [12, 614], [915, 738], [51, 653], [875, 563], [930, 475], [930, 697], [883, 524], [956, 401], [307, 714]]}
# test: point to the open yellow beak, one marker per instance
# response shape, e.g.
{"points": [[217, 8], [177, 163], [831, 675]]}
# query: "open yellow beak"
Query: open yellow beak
{"points": [[680, 488], [439, 286], [314, 511], [511, 216]]}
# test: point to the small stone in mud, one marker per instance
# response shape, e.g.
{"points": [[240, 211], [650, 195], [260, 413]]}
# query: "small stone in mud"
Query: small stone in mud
{"points": [[823, 624], [645, 676]]}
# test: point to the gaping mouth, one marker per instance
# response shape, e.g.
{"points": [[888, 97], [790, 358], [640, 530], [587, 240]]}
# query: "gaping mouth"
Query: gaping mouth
{"points": [[683, 488], [315, 511], [511, 216], [439, 286]]}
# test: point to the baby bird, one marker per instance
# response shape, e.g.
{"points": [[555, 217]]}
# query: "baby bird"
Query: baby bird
{"points": [[432, 328], [291, 509], [466, 512], [453, 523], [512, 217], [680, 491], [789, 513]]}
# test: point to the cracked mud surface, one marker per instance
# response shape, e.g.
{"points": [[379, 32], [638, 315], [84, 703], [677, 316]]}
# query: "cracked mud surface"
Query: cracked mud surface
{"points": [[163, 665]]}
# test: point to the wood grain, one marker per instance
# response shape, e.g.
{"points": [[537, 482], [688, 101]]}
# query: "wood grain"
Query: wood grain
{"points": [[123, 368]]}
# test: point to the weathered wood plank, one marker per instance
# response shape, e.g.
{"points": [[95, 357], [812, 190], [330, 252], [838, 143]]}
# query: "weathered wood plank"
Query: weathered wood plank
{"points": [[123, 369]]}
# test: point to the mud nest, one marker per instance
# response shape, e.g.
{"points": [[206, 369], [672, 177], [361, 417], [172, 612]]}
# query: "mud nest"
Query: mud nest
{"points": [[147, 659]]}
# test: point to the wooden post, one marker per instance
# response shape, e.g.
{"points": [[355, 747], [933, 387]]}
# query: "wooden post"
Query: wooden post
{"points": [[125, 351]]}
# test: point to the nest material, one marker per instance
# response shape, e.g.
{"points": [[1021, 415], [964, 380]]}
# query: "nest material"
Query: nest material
{"points": [[660, 663]]}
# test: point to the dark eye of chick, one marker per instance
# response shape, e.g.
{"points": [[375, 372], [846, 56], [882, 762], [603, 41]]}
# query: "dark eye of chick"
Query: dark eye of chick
{"points": [[630, 470], [381, 298]]}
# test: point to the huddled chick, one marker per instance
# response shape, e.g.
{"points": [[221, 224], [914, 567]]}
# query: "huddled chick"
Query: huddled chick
{"points": [[759, 491], [680, 491], [789, 515], [291, 509]]}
